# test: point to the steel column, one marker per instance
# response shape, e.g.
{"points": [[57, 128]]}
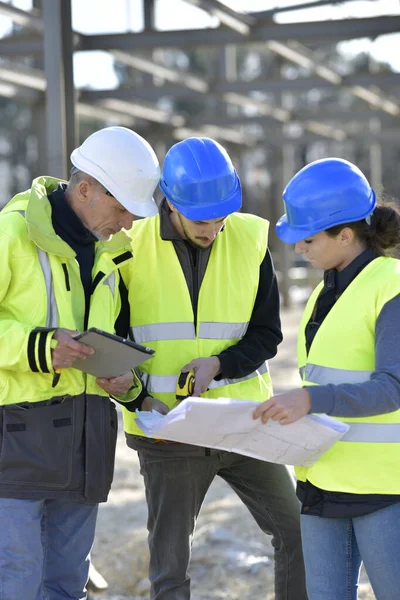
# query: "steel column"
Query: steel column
{"points": [[149, 14], [375, 156], [60, 95]]}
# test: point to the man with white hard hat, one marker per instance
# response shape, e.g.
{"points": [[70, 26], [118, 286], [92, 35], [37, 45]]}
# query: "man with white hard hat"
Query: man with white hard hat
{"points": [[62, 246], [125, 165]]}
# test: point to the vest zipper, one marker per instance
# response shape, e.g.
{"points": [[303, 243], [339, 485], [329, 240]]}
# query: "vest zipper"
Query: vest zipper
{"points": [[194, 263], [66, 275]]}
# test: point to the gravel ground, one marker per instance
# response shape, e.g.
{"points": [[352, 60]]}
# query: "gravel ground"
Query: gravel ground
{"points": [[232, 558]]}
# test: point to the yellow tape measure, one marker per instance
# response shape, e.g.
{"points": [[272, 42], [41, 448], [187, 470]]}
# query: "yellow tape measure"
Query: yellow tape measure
{"points": [[185, 385]]}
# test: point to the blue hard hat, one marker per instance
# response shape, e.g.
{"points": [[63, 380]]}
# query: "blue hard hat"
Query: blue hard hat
{"points": [[200, 181], [323, 194]]}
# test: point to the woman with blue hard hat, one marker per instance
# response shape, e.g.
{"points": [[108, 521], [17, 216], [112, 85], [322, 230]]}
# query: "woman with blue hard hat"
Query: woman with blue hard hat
{"points": [[349, 359]]}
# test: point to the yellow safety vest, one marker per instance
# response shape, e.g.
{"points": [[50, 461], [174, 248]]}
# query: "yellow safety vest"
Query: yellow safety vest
{"points": [[162, 314], [367, 459]]}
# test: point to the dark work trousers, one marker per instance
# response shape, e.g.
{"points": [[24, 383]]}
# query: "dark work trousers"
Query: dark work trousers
{"points": [[177, 480]]}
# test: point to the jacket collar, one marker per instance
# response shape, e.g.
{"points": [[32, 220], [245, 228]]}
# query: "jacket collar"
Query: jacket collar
{"points": [[37, 210], [342, 279], [167, 230]]}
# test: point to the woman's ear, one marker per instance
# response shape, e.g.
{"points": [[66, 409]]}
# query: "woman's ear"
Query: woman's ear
{"points": [[346, 236]]}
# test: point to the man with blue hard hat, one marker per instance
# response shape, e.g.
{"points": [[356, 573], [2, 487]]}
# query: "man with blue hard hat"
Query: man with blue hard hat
{"points": [[203, 294]]}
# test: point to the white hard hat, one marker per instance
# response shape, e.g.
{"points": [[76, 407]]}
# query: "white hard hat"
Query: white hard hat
{"points": [[125, 164]]}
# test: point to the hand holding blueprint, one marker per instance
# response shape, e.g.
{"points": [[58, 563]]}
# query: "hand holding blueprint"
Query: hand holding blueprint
{"points": [[227, 424]]}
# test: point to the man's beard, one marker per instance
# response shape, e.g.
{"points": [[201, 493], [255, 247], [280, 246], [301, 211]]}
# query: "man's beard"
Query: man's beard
{"points": [[101, 237], [189, 239]]}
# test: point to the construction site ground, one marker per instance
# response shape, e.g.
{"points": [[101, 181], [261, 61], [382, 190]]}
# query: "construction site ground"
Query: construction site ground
{"points": [[232, 559]]}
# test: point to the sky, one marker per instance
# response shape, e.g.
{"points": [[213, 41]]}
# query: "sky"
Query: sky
{"points": [[95, 69]]}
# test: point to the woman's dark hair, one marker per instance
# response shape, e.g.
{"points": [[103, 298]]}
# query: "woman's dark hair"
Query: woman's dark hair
{"points": [[382, 235]]}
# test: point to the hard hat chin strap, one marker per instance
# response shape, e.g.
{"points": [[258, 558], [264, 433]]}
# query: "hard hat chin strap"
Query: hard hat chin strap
{"points": [[370, 220]]}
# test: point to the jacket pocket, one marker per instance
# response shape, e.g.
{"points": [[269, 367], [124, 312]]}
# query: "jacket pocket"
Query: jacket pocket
{"points": [[38, 444]]}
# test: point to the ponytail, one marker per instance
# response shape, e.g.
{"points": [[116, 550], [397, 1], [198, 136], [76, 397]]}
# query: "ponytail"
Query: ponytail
{"points": [[381, 232]]}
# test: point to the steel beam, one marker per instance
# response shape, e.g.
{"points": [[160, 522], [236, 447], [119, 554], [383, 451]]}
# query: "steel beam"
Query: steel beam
{"points": [[12, 90], [274, 111], [29, 82], [232, 19], [151, 93], [365, 138], [262, 107], [232, 95], [95, 112], [143, 111], [341, 116], [319, 31], [292, 51], [285, 116], [268, 14], [386, 136], [21, 45], [276, 139], [34, 22], [386, 80], [153, 68], [307, 83], [60, 95], [230, 121], [300, 55], [29, 20], [353, 114], [218, 133], [21, 75]]}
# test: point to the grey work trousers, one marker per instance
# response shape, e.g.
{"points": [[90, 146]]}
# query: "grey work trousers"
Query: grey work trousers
{"points": [[176, 483]]}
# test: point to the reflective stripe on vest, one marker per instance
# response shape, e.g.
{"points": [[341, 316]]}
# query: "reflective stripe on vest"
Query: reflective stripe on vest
{"points": [[366, 458], [52, 311], [163, 331], [382, 433], [159, 384], [324, 375], [222, 331], [186, 331], [110, 281]]}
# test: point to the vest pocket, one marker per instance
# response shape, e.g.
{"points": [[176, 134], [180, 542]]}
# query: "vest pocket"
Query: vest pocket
{"points": [[101, 439], [37, 445], [112, 443]]}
